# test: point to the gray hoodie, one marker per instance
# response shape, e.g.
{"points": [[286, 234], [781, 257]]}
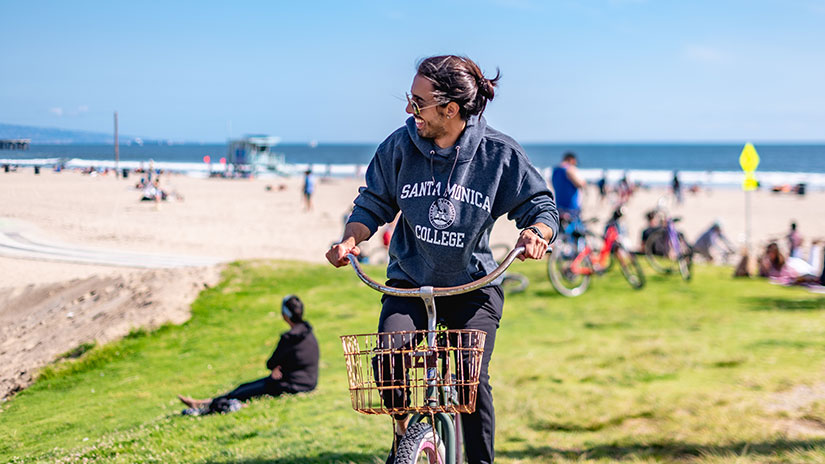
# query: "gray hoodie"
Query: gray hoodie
{"points": [[449, 200]]}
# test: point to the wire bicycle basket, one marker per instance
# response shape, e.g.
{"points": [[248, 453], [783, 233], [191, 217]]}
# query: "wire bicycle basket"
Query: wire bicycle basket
{"points": [[397, 373]]}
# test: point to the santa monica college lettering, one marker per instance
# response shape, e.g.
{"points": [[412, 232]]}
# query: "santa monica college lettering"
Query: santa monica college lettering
{"points": [[440, 237], [442, 213], [456, 192]]}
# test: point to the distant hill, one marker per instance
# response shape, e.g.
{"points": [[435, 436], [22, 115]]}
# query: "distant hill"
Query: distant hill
{"points": [[53, 136]]}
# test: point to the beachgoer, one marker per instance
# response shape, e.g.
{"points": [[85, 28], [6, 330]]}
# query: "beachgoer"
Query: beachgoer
{"points": [[451, 176], [293, 366], [151, 172], [309, 189], [386, 237], [710, 240], [567, 185], [624, 189], [653, 223], [160, 194], [676, 186], [792, 270], [794, 241], [771, 262], [602, 184], [152, 191]]}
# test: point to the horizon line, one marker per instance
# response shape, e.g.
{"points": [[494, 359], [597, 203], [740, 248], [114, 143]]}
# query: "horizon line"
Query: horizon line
{"points": [[170, 142]]}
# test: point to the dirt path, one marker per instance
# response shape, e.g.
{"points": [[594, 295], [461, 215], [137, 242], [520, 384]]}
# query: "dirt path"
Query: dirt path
{"points": [[38, 323]]}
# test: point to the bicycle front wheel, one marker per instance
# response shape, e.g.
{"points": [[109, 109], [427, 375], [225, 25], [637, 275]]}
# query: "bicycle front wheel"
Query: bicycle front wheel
{"points": [[420, 445], [566, 280], [631, 270], [514, 283]]}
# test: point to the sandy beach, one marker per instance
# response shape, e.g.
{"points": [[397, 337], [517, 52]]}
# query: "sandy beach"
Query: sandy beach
{"points": [[51, 305]]}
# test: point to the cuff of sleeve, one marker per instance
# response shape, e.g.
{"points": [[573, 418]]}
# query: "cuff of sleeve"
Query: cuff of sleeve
{"points": [[364, 217], [554, 226]]}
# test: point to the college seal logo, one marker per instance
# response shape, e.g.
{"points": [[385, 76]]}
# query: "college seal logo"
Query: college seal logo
{"points": [[442, 213]]}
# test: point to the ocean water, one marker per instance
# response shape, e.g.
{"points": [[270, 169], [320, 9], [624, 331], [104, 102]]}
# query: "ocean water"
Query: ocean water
{"points": [[649, 163]]}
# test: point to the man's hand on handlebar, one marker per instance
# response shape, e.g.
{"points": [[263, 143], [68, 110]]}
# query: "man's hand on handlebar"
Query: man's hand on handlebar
{"points": [[534, 246], [354, 233], [337, 254]]}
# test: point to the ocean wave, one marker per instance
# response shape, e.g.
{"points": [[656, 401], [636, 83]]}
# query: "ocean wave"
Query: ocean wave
{"points": [[650, 177]]}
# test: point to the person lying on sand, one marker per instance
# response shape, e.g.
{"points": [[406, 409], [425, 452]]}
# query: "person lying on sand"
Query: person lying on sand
{"points": [[293, 366]]}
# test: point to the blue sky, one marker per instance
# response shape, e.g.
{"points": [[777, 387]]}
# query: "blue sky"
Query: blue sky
{"points": [[573, 71]]}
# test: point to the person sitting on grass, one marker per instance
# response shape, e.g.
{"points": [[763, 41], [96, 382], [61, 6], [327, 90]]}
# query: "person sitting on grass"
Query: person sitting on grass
{"points": [[293, 366], [653, 223]]}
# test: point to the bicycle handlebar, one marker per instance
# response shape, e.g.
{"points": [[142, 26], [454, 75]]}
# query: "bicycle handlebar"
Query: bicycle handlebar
{"points": [[436, 291]]}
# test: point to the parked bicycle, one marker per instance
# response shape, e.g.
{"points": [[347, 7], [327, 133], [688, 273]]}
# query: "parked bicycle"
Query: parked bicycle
{"points": [[575, 258], [436, 369], [667, 250]]}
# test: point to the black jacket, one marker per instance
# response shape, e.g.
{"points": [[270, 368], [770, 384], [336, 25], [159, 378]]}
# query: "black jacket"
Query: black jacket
{"points": [[297, 354]]}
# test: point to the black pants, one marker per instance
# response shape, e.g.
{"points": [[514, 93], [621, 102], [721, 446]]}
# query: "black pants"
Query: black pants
{"points": [[256, 388], [479, 310]]}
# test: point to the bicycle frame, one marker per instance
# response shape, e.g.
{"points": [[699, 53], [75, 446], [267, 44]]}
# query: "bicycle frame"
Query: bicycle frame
{"points": [[610, 237], [442, 422], [673, 236]]}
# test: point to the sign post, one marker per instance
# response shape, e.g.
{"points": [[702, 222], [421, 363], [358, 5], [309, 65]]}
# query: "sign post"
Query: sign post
{"points": [[748, 160]]}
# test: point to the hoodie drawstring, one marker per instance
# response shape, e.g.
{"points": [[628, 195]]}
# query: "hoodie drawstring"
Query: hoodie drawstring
{"points": [[450, 176]]}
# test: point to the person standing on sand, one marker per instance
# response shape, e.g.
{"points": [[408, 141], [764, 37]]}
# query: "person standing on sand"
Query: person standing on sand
{"points": [[676, 187], [567, 185], [309, 189], [451, 176], [602, 185]]}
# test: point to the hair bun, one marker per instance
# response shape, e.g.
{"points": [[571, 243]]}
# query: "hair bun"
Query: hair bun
{"points": [[458, 79], [485, 87]]}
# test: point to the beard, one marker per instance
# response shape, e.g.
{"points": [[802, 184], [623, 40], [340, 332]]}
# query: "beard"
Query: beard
{"points": [[433, 128]]}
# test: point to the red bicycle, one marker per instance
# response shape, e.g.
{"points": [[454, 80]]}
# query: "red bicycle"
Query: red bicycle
{"points": [[574, 260]]}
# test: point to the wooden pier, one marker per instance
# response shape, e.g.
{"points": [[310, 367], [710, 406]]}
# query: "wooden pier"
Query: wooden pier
{"points": [[15, 144]]}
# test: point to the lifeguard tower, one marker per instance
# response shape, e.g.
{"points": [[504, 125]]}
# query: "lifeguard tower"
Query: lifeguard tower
{"points": [[252, 155]]}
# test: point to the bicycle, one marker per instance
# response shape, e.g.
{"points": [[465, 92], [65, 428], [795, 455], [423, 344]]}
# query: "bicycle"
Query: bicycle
{"points": [[439, 378], [667, 250], [574, 260]]}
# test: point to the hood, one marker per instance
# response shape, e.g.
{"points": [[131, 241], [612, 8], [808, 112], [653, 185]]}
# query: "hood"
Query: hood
{"points": [[299, 332], [469, 140]]}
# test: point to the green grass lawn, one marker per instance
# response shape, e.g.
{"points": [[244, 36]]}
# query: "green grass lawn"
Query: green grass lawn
{"points": [[710, 371]]}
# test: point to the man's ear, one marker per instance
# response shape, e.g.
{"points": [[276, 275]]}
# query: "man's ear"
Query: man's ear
{"points": [[451, 110]]}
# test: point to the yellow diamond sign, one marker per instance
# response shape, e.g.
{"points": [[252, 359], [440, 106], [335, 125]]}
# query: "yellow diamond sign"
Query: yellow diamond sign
{"points": [[749, 159]]}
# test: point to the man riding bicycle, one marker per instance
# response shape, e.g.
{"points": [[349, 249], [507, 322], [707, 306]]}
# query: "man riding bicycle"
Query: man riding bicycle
{"points": [[451, 176]]}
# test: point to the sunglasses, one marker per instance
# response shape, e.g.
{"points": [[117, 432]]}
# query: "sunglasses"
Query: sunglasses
{"points": [[417, 109]]}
